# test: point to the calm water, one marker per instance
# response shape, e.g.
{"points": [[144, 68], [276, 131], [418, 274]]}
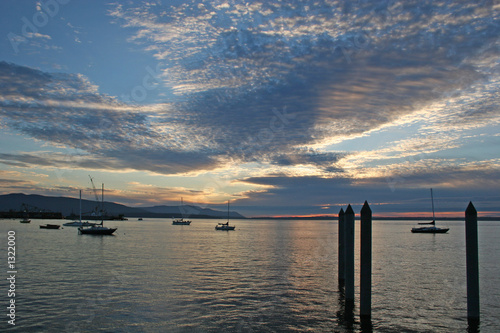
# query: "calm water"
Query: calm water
{"points": [[267, 276]]}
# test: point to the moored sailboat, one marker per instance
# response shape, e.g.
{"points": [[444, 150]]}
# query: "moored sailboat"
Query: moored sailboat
{"points": [[431, 229], [181, 221], [98, 229], [50, 226], [25, 218], [79, 223], [225, 226]]}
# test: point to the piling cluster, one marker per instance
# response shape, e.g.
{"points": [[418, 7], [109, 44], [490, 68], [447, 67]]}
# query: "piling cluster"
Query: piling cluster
{"points": [[346, 257], [346, 265], [472, 261]]}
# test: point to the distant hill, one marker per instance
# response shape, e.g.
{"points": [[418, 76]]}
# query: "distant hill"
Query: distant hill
{"points": [[16, 202]]}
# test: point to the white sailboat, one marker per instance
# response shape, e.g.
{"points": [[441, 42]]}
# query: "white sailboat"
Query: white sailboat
{"points": [[431, 229], [98, 229], [25, 219], [181, 221], [79, 223]]}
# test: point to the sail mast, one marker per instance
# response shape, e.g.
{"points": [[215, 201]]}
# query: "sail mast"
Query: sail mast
{"points": [[182, 209], [433, 216], [102, 204], [80, 207]]}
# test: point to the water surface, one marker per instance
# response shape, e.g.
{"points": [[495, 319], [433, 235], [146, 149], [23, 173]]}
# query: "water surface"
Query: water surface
{"points": [[266, 276]]}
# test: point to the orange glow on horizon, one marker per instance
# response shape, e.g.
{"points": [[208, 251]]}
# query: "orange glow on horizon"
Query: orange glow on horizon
{"points": [[423, 215], [304, 216]]}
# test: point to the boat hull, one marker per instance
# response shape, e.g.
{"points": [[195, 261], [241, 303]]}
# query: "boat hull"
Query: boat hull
{"points": [[97, 231], [182, 223], [429, 230], [224, 227], [50, 226], [79, 224]]}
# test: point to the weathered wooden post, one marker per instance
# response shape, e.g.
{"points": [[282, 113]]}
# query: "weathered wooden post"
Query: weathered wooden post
{"points": [[472, 260], [365, 303], [349, 256], [341, 249]]}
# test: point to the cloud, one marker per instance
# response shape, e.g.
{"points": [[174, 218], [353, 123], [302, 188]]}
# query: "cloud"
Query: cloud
{"points": [[37, 35], [67, 111], [278, 85], [12, 181], [340, 69], [260, 80], [327, 162], [454, 187], [447, 131]]}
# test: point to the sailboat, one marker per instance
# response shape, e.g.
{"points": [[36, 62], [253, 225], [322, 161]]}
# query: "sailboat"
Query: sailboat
{"points": [[181, 221], [98, 229], [79, 223], [431, 229], [50, 226], [225, 226], [25, 219]]}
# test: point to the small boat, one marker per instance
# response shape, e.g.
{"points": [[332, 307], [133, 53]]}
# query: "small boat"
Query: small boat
{"points": [[79, 223], [181, 221], [50, 226], [98, 229], [25, 218], [431, 229], [139, 219], [225, 226]]}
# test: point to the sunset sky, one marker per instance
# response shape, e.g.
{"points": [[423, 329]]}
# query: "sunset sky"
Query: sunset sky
{"points": [[283, 107]]}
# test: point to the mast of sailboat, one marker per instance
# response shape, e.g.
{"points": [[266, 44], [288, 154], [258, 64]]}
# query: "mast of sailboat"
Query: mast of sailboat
{"points": [[433, 216], [182, 209], [228, 212], [102, 203], [80, 207]]}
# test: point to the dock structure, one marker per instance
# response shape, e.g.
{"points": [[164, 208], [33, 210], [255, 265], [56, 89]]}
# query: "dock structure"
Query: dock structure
{"points": [[341, 251], [349, 255], [472, 261], [365, 303], [346, 269]]}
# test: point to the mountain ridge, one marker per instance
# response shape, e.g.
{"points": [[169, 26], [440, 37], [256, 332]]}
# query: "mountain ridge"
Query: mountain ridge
{"points": [[16, 202]]}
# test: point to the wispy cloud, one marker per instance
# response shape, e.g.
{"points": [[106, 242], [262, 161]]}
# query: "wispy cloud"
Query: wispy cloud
{"points": [[276, 88], [339, 69], [68, 111]]}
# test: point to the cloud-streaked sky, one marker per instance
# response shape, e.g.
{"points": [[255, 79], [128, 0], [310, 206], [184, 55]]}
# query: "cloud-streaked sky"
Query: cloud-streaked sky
{"points": [[284, 108]]}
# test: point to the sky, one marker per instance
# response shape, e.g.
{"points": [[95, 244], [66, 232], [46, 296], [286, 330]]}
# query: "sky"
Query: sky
{"points": [[285, 108]]}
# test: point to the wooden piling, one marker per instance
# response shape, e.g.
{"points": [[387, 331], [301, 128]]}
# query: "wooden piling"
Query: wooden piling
{"points": [[472, 261], [349, 255], [365, 303], [341, 249]]}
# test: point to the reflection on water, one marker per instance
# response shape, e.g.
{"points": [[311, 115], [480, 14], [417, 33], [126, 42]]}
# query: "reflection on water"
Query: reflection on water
{"points": [[345, 313], [267, 276]]}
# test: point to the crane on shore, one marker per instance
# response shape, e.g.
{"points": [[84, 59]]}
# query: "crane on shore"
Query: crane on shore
{"points": [[98, 212]]}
